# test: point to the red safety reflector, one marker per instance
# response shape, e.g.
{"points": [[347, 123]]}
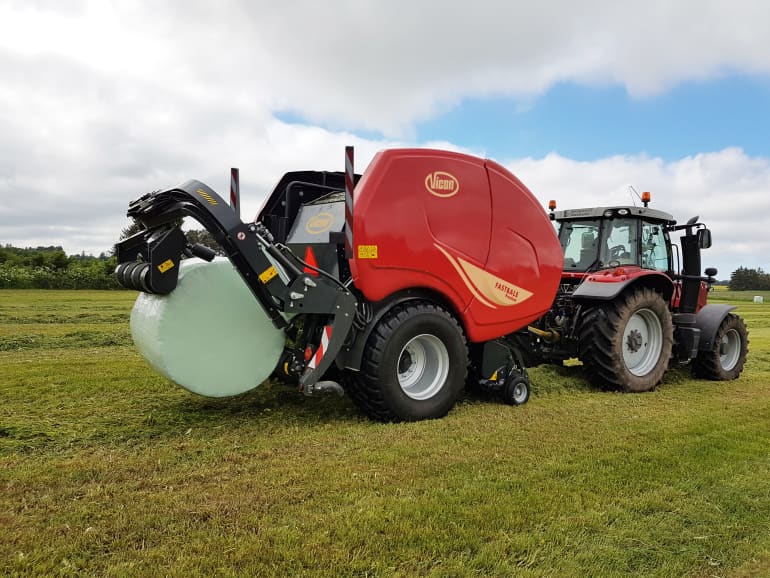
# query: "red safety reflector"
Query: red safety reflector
{"points": [[310, 260], [308, 353], [350, 183]]}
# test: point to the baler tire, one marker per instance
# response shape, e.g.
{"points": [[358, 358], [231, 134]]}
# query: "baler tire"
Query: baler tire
{"points": [[626, 344], [412, 342], [725, 360], [516, 391]]}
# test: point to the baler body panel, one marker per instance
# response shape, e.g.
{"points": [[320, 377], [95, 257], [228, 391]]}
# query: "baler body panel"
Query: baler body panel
{"points": [[524, 247], [458, 225]]}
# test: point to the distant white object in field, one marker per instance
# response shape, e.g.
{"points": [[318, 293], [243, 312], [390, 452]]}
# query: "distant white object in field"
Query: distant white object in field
{"points": [[759, 299], [210, 334]]}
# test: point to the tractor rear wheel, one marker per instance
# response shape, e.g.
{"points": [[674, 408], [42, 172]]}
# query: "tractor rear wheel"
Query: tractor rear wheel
{"points": [[725, 360], [626, 344], [414, 365]]}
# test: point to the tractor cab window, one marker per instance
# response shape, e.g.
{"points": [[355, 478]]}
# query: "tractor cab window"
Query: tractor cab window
{"points": [[580, 243], [654, 247], [620, 245]]}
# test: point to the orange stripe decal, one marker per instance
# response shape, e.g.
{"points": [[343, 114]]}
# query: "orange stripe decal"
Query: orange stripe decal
{"points": [[489, 289], [464, 277]]}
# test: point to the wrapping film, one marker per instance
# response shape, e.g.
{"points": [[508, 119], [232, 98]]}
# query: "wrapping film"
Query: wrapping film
{"points": [[209, 335]]}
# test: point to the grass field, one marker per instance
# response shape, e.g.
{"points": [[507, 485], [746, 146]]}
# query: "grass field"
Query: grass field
{"points": [[108, 469]]}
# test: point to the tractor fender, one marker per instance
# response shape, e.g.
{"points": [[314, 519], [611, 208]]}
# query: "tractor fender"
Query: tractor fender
{"points": [[611, 286], [352, 354], [708, 321]]}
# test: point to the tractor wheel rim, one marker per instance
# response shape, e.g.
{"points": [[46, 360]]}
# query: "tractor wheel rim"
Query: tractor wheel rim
{"points": [[729, 349], [642, 342], [423, 366]]}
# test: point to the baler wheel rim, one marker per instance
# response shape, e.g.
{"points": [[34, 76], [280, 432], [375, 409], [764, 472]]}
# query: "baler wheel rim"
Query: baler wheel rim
{"points": [[423, 366]]}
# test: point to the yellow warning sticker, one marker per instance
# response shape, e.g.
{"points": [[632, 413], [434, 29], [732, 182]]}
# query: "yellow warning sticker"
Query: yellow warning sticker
{"points": [[209, 199], [267, 274], [166, 265], [367, 251]]}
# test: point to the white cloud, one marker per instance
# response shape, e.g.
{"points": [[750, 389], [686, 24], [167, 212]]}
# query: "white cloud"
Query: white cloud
{"points": [[382, 65], [101, 101], [727, 189]]}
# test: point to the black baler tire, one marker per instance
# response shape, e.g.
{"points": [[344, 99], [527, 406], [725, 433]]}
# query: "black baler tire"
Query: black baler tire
{"points": [[510, 391], [708, 364], [376, 389], [601, 341]]}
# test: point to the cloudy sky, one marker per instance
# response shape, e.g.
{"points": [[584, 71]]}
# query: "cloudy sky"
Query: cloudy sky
{"points": [[102, 101]]}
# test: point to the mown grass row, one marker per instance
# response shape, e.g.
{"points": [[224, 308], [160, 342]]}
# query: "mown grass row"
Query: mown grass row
{"points": [[108, 469]]}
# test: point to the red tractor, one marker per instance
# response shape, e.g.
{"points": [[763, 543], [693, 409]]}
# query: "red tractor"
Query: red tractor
{"points": [[624, 307], [440, 266]]}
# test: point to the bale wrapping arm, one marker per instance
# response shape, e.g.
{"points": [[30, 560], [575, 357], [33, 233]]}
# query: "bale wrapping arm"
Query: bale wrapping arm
{"points": [[149, 261]]}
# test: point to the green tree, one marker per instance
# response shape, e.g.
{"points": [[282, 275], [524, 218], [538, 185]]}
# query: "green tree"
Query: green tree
{"points": [[57, 260], [132, 229], [745, 279], [203, 237]]}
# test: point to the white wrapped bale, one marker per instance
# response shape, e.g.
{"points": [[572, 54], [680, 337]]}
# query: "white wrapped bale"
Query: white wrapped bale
{"points": [[209, 335]]}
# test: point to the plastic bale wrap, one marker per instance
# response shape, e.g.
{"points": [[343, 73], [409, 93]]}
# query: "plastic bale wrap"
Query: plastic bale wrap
{"points": [[209, 335]]}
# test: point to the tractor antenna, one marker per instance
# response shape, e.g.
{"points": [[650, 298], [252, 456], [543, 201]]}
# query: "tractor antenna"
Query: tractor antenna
{"points": [[633, 192]]}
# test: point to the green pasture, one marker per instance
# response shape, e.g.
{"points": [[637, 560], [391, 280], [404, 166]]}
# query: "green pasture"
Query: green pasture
{"points": [[107, 469]]}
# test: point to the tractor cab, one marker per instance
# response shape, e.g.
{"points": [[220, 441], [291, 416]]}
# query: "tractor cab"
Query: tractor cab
{"points": [[616, 244], [608, 237], [631, 301]]}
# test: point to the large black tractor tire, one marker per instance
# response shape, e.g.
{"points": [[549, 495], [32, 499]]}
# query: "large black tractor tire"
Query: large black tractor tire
{"points": [[626, 344], [726, 359], [414, 365]]}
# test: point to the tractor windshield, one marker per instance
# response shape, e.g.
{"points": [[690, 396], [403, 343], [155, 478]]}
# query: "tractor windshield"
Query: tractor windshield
{"points": [[580, 243], [594, 244]]}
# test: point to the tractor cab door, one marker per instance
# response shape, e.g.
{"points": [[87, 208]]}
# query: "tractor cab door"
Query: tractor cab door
{"points": [[620, 244], [656, 247], [579, 242]]}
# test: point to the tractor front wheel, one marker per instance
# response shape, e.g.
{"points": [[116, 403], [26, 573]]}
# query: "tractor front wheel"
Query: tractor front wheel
{"points": [[626, 344], [724, 361], [414, 365]]}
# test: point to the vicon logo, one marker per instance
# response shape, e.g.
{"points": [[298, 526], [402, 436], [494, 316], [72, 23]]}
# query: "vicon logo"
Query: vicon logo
{"points": [[319, 223], [442, 184]]}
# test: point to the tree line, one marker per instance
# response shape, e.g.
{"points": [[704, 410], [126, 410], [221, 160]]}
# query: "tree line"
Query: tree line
{"points": [[51, 268], [744, 279]]}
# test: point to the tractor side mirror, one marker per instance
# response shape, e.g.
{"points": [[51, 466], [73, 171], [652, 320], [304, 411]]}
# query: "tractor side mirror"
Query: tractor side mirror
{"points": [[704, 238]]}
